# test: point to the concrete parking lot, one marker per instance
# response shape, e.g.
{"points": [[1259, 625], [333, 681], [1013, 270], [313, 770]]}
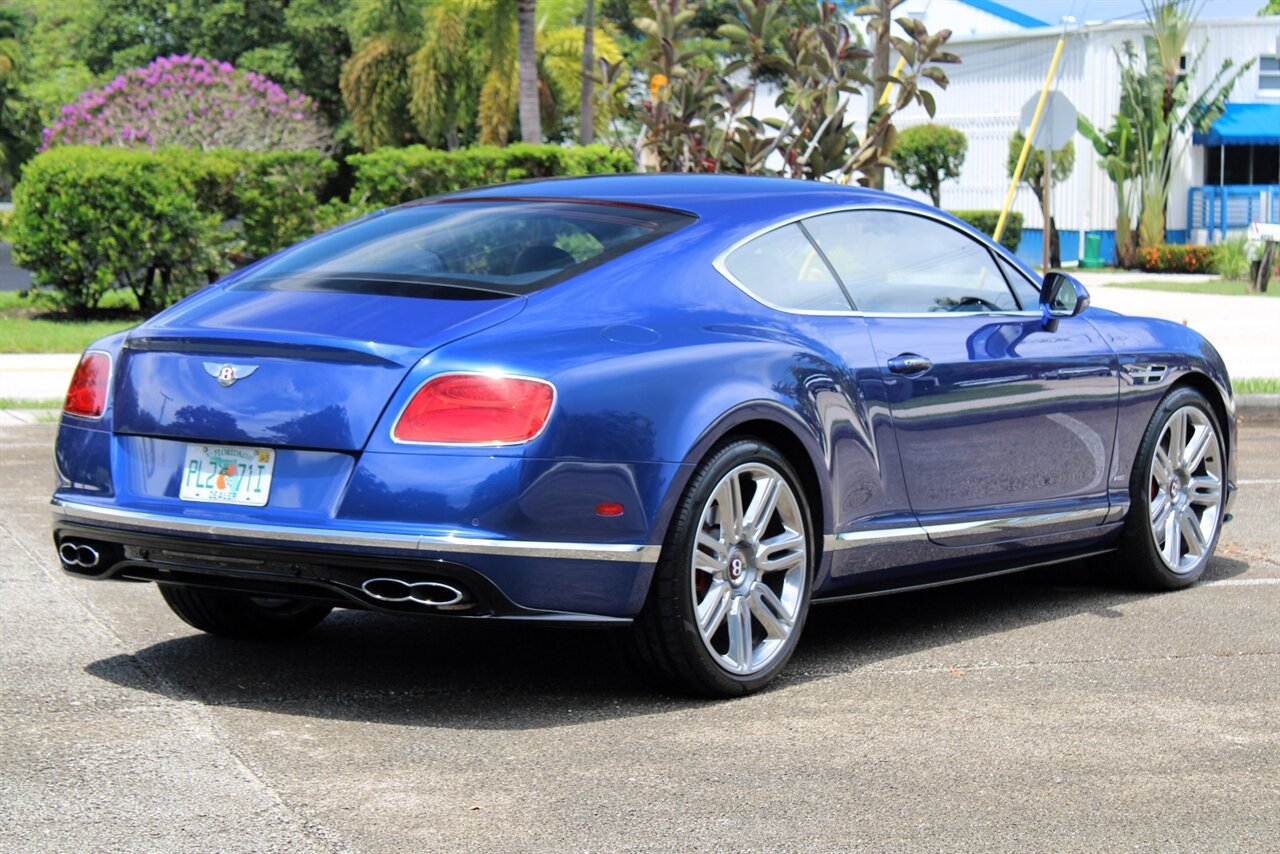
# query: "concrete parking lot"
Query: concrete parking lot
{"points": [[1048, 711]]}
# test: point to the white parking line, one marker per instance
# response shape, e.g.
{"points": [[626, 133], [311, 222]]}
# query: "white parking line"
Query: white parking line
{"points": [[1257, 481], [1242, 582]]}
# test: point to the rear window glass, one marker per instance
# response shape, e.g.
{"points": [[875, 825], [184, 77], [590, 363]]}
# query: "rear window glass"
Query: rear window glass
{"points": [[507, 247]]}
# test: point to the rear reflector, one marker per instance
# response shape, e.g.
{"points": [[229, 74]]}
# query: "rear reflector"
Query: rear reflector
{"points": [[475, 409], [87, 394]]}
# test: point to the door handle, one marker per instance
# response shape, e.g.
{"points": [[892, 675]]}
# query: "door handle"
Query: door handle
{"points": [[909, 363]]}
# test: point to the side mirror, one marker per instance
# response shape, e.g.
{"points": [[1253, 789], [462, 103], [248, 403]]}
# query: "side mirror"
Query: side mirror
{"points": [[1060, 296]]}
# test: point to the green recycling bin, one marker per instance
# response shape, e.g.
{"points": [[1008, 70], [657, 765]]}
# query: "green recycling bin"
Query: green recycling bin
{"points": [[1092, 248]]}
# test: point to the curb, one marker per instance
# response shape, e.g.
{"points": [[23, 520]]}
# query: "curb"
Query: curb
{"points": [[1258, 407]]}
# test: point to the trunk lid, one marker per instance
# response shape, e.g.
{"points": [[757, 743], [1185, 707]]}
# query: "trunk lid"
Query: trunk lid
{"points": [[285, 368]]}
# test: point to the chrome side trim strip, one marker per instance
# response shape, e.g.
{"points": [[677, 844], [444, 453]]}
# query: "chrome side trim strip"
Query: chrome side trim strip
{"points": [[72, 511], [977, 527]]}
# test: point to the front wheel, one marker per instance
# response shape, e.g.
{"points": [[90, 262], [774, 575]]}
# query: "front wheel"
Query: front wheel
{"points": [[235, 615], [731, 591], [1177, 494]]}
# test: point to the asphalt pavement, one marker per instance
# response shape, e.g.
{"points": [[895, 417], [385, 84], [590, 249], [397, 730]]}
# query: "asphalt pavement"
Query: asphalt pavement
{"points": [[1048, 711]]}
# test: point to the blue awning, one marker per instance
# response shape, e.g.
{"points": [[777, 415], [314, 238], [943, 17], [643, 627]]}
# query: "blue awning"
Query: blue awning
{"points": [[1244, 124]]}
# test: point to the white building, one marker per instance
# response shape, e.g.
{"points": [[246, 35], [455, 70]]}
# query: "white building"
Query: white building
{"points": [[1002, 69]]}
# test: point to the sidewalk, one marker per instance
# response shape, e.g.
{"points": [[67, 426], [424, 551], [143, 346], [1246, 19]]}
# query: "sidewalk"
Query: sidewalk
{"points": [[1244, 329], [36, 376]]}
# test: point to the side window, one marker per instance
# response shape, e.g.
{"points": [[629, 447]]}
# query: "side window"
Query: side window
{"points": [[1024, 289], [783, 269], [896, 262]]}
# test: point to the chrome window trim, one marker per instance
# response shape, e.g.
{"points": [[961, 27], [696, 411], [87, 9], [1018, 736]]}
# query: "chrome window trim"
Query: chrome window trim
{"points": [[723, 269], [73, 511], [977, 527]]}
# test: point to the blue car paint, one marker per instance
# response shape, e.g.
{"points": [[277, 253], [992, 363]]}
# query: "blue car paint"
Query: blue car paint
{"points": [[655, 358]]}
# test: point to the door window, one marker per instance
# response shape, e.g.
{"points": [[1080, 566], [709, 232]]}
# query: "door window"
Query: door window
{"points": [[893, 262]]}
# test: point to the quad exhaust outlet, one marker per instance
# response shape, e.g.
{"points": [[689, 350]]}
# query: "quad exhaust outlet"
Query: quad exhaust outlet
{"points": [[433, 593], [78, 554]]}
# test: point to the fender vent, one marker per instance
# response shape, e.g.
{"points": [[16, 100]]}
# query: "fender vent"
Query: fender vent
{"points": [[1142, 374]]}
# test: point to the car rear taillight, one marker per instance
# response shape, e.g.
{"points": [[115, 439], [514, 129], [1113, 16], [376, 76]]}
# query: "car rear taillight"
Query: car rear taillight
{"points": [[476, 409], [87, 394]]}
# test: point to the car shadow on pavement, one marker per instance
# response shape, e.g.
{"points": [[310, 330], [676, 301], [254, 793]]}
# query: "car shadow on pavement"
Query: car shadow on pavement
{"points": [[409, 671]]}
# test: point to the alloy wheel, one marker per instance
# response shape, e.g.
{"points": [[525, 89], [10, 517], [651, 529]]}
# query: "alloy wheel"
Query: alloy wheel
{"points": [[749, 568], [1185, 489]]}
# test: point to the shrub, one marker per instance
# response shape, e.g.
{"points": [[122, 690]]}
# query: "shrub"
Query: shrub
{"points": [[986, 221], [89, 220], [927, 155], [391, 176], [1176, 258], [278, 197], [193, 102], [1231, 259]]}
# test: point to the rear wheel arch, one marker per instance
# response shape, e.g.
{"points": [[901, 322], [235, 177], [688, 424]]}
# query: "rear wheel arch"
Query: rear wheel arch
{"points": [[770, 423]]}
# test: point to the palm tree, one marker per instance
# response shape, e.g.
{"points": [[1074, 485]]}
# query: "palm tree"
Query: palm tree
{"points": [[586, 119], [375, 80], [530, 114]]}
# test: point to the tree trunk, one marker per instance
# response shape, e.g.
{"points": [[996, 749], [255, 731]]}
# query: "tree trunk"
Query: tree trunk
{"points": [[586, 115], [530, 119], [880, 24], [1055, 246]]}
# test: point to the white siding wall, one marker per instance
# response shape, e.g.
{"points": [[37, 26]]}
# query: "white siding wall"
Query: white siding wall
{"points": [[999, 73], [955, 15]]}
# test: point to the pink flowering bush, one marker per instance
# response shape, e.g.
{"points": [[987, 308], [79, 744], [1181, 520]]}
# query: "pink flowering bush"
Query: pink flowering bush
{"points": [[192, 102]]}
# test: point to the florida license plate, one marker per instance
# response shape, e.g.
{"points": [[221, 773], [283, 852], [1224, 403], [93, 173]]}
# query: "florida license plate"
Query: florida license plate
{"points": [[227, 474]]}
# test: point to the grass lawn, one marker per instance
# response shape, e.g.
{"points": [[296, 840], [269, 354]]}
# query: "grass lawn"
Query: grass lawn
{"points": [[1218, 287], [29, 327], [1256, 385]]}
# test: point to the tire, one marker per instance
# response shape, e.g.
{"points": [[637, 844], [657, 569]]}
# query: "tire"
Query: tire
{"points": [[1177, 495], [233, 615], [749, 581]]}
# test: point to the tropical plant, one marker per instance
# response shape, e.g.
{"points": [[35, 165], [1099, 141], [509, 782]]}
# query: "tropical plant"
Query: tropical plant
{"points": [[527, 67], [1064, 162], [447, 73], [1155, 96], [375, 80], [1117, 148], [1231, 259], [19, 120], [193, 102], [927, 155], [699, 116]]}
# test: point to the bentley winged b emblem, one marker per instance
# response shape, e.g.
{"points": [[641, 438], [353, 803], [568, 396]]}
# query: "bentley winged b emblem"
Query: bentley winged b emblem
{"points": [[227, 374]]}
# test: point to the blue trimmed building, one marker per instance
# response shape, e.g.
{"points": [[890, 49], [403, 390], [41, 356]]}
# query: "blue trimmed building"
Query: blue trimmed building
{"points": [[1225, 179]]}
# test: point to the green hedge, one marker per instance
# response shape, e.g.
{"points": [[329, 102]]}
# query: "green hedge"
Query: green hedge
{"points": [[392, 176], [91, 219], [986, 221]]}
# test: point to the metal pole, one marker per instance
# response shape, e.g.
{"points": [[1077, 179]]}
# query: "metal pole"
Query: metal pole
{"points": [[1048, 181], [1031, 133]]}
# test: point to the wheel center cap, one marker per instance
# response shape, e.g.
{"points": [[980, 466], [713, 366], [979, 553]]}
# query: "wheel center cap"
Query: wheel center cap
{"points": [[738, 567]]}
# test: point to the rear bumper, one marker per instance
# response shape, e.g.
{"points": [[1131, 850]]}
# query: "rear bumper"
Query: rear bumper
{"points": [[555, 582]]}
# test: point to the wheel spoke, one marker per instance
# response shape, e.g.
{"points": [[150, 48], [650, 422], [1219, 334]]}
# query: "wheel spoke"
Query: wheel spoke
{"points": [[1161, 470], [1161, 507], [1177, 434], [1205, 490], [770, 612], [713, 607], [1191, 532], [729, 500], [785, 551], [763, 503], [716, 547], [1197, 444], [1172, 545], [740, 646]]}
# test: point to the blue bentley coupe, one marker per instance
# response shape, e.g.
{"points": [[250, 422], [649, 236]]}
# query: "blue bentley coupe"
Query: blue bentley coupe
{"points": [[690, 406]]}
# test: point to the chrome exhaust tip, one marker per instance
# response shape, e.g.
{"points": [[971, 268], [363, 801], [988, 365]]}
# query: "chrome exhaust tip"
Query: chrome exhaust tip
{"points": [[434, 593], [78, 554]]}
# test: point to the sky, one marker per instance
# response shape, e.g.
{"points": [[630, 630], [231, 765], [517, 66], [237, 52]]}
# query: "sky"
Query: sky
{"points": [[1105, 10]]}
